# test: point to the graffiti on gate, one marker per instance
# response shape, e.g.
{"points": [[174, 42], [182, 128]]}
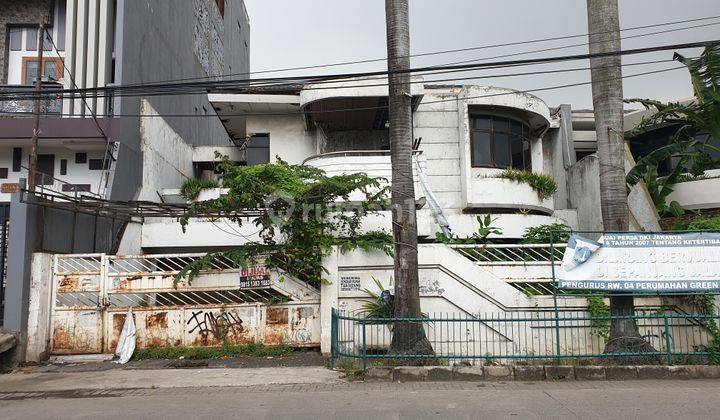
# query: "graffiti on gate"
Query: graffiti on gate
{"points": [[215, 327]]}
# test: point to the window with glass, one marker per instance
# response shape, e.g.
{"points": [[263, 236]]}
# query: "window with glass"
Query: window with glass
{"points": [[52, 68], [499, 142]]}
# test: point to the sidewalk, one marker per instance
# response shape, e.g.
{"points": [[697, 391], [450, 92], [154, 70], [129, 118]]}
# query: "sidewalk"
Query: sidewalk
{"points": [[165, 378]]}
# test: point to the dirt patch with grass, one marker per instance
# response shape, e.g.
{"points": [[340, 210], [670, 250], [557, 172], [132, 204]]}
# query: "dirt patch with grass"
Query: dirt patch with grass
{"points": [[199, 357]]}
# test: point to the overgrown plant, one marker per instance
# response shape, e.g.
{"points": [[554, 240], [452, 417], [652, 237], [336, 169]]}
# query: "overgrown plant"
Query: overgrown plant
{"points": [[597, 308], [660, 189], [543, 184], [485, 229], [697, 121], [192, 187], [380, 304], [294, 208], [542, 234], [699, 222]]}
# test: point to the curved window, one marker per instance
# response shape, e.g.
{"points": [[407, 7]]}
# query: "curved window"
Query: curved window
{"points": [[498, 142]]}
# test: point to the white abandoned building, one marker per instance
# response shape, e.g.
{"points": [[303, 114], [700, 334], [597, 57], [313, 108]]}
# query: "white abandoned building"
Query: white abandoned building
{"points": [[466, 135]]}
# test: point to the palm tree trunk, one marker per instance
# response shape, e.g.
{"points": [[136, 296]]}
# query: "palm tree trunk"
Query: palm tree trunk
{"points": [[408, 337], [607, 91]]}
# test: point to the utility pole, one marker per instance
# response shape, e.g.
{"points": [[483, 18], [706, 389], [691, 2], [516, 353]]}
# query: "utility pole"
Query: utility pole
{"points": [[38, 89], [607, 91], [407, 337]]}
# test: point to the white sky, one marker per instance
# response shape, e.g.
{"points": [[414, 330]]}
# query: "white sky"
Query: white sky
{"points": [[290, 33]]}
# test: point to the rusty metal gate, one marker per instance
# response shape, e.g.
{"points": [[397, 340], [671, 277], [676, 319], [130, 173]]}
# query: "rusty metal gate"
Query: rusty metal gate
{"points": [[225, 304]]}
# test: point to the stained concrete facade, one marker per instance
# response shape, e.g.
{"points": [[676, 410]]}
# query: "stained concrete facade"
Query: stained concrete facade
{"points": [[19, 13], [156, 41]]}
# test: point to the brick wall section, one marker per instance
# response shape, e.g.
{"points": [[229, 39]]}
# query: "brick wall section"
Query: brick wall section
{"points": [[18, 12]]}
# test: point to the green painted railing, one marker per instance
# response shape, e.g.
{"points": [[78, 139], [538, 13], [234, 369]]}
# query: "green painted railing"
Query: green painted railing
{"points": [[526, 337]]}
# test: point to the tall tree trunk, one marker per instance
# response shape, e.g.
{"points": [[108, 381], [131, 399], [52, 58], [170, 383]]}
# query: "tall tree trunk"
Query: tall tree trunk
{"points": [[408, 337], [604, 30]]}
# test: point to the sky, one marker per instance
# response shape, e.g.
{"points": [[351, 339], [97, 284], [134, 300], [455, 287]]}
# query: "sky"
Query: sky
{"points": [[291, 33]]}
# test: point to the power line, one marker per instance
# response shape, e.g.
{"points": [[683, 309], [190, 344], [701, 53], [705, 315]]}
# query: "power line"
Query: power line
{"points": [[205, 87], [492, 76], [441, 52], [289, 113], [562, 47]]}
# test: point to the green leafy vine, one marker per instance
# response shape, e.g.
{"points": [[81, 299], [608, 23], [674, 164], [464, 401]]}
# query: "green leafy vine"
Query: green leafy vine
{"points": [[597, 308], [298, 217]]}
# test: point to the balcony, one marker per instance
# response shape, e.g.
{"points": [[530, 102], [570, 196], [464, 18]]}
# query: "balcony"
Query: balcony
{"points": [[24, 107], [497, 193], [700, 194], [375, 163]]}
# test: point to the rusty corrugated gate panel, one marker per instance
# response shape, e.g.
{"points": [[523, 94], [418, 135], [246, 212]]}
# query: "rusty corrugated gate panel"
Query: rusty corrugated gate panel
{"points": [[93, 292]]}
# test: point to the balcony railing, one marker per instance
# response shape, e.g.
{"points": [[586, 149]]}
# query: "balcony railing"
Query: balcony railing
{"points": [[49, 184], [375, 163], [20, 107], [512, 254]]}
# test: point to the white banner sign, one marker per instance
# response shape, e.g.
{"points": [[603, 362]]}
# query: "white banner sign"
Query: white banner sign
{"points": [[640, 262]]}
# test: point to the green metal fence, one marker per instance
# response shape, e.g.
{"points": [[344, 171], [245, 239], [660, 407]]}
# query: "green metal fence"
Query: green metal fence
{"points": [[536, 337]]}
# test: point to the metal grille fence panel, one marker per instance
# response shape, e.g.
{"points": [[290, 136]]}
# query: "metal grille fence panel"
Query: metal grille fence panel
{"points": [[523, 337]]}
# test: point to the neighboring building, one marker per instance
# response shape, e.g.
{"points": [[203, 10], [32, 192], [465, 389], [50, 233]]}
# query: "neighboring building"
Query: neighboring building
{"points": [[101, 43], [104, 146]]}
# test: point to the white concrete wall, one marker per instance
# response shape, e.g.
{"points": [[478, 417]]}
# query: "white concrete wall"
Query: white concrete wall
{"points": [[39, 308], [372, 165], [77, 173], [584, 195], [289, 138], [167, 159], [443, 123], [167, 163], [437, 124], [697, 195]]}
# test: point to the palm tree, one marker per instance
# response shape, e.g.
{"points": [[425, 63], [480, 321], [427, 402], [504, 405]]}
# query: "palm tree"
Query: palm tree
{"points": [[408, 337], [607, 91]]}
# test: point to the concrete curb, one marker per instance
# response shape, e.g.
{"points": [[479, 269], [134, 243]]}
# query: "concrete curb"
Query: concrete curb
{"points": [[536, 373]]}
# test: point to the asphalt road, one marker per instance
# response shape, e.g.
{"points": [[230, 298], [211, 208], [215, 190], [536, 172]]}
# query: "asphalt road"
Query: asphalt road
{"points": [[452, 400]]}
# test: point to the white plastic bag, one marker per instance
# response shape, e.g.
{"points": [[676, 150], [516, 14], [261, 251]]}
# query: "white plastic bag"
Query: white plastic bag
{"points": [[126, 342]]}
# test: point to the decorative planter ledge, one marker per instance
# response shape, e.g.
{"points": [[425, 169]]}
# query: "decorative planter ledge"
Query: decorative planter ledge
{"points": [[536, 373]]}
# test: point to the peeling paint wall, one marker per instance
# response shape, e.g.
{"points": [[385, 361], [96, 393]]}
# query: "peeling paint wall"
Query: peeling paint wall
{"points": [[91, 295], [208, 35]]}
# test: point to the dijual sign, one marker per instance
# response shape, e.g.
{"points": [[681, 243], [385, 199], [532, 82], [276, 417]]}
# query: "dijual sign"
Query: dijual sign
{"points": [[638, 262]]}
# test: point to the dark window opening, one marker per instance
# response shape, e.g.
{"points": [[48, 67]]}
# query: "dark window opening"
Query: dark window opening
{"points": [[63, 166], [16, 39], [80, 157], [46, 169], [3, 173], [98, 164], [582, 153], [221, 7], [31, 39], [499, 142], [258, 149], [17, 159], [645, 143]]}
